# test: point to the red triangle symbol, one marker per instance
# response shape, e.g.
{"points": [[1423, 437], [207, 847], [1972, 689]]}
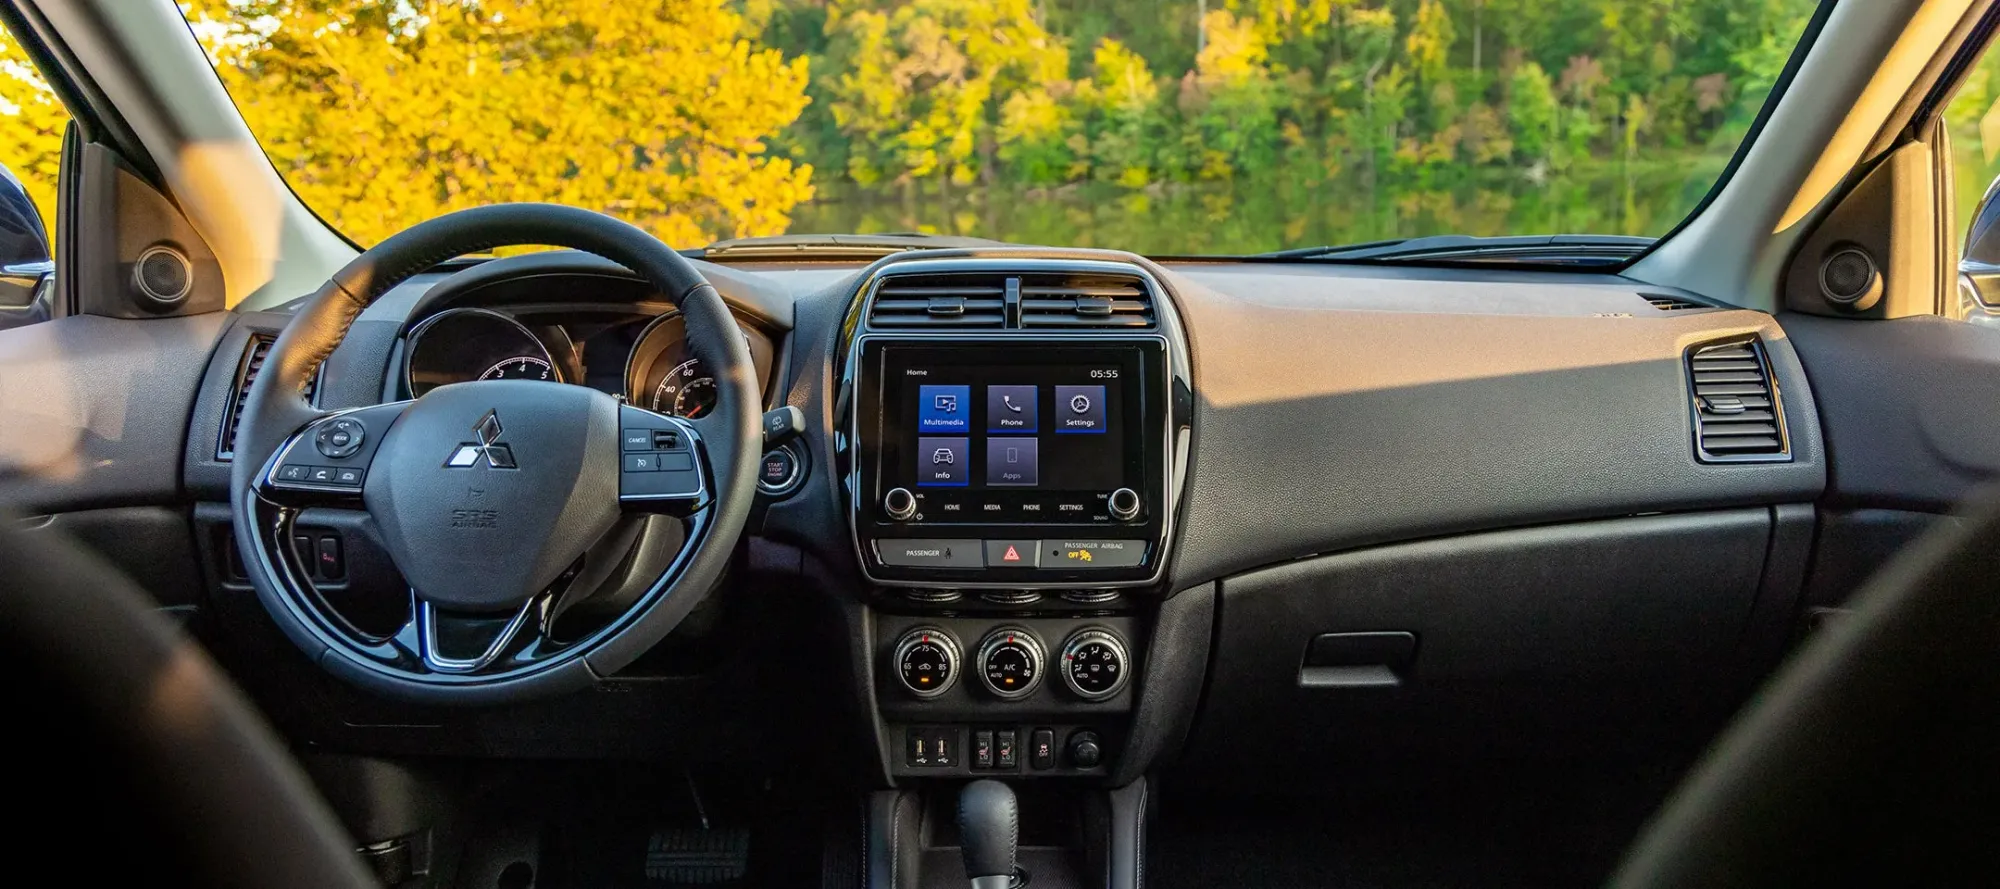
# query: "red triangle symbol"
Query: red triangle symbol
{"points": [[1011, 556]]}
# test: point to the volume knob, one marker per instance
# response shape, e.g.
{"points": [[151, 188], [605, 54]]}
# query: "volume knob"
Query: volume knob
{"points": [[900, 504], [1124, 504]]}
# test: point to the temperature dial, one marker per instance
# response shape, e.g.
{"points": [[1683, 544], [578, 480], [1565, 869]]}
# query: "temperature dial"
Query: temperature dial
{"points": [[926, 662], [1010, 663], [1094, 665]]}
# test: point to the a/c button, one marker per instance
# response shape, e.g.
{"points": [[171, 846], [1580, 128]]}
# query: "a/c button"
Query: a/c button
{"points": [[920, 553]]}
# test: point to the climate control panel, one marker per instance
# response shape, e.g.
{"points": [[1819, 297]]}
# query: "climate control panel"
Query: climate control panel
{"points": [[1010, 661]]}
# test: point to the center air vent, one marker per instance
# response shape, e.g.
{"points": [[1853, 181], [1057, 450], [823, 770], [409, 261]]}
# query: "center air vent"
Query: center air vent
{"points": [[1041, 300], [949, 300], [1084, 301], [1737, 415]]}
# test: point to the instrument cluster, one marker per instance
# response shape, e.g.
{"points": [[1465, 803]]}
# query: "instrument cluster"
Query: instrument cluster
{"points": [[640, 356]]}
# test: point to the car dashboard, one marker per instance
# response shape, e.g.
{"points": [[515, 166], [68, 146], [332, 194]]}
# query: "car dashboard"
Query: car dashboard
{"points": [[1077, 514]]}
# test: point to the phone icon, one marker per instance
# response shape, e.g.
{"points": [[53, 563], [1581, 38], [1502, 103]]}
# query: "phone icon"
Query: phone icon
{"points": [[1008, 400]]}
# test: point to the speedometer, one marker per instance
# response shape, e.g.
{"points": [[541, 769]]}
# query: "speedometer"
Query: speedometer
{"points": [[685, 391], [522, 367]]}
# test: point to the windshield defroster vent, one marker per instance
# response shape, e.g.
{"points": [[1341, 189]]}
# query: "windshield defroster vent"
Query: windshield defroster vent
{"points": [[1738, 417], [1667, 303], [1040, 300]]}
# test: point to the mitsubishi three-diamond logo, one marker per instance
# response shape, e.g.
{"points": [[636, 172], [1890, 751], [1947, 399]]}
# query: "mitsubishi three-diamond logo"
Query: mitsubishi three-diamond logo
{"points": [[488, 448]]}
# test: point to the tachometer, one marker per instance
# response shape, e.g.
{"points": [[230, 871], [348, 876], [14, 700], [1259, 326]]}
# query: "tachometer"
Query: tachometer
{"points": [[685, 391], [522, 367]]}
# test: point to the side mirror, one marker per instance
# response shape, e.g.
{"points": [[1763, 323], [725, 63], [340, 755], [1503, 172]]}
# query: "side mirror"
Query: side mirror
{"points": [[24, 246], [1979, 262]]}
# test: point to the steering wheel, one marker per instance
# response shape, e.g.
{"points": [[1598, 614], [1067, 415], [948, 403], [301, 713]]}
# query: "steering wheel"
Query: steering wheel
{"points": [[503, 503]]}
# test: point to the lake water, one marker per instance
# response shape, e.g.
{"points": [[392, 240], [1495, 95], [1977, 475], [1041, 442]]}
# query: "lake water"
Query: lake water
{"points": [[1252, 217]]}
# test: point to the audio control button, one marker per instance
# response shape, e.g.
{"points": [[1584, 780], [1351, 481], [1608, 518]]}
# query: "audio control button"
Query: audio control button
{"points": [[925, 553], [1124, 504], [1065, 555], [899, 504]]}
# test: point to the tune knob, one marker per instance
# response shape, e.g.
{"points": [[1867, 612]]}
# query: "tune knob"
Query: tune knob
{"points": [[1124, 504], [1010, 663], [900, 504], [1093, 664], [925, 661]]}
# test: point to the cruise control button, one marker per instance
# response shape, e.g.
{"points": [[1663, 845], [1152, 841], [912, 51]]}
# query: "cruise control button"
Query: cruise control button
{"points": [[642, 462], [1072, 554], [916, 553], [1013, 553], [638, 439]]}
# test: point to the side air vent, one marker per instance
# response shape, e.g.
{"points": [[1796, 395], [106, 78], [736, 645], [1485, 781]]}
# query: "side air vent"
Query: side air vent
{"points": [[1667, 303], [937, 301], [246, 373], [1738, 417], [1084, 301]]}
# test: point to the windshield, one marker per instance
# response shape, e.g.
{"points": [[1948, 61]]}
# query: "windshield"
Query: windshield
{"points": [[1186, 127]]}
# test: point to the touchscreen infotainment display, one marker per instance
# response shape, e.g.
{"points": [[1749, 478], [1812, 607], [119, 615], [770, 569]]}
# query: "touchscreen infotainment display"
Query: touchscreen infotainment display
{"points": [[1011, 434]]}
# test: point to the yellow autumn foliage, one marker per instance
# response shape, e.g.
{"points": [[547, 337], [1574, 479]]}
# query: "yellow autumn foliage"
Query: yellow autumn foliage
{"points": [[384, 114], [31, 127]]}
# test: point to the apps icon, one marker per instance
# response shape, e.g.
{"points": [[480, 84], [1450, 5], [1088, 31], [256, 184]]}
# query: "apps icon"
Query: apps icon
{"points": [[941, 462], [1011, 410], [1013, 461], [1079, 409], [944, 409]]}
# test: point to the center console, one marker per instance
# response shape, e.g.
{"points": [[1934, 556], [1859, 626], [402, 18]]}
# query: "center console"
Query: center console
{"points": [[1016, 432]]}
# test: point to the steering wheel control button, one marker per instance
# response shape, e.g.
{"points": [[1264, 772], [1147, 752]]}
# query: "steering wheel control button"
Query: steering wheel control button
{"points": [[1094, 664], [1013, 553], [340, 438], [925, 661], [293, 472], [320, 475], [920, 553], [346, 475], [1093, 554], [899, 504], [1010, 663], [658, 460], [1124, 504]]}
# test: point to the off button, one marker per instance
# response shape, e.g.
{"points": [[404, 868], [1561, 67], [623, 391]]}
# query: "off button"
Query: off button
{"points": [[1075, 554], [918, 553]]}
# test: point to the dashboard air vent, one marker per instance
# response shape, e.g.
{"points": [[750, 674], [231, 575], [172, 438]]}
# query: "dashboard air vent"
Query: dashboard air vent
{"points": [[246, 373], [1738, 417], [1667, 303], [942, 300], [1084, 301]]}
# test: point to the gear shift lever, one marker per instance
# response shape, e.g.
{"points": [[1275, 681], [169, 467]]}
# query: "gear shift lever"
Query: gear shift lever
{"points": [[988, 817]]}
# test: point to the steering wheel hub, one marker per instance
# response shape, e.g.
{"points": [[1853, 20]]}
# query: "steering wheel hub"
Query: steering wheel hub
{"points": [[485, 492]]}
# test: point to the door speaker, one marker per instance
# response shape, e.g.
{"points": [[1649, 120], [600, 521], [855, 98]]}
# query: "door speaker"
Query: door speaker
{"points": [[164, 275], [1849, 279]]}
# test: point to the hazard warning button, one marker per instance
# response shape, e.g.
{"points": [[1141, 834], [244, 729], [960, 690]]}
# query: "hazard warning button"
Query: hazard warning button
{"points": [[1013, 553]]}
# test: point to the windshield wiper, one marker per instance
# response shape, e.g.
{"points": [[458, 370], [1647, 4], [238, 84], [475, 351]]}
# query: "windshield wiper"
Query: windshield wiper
{"points": [[833, 246], [1540, 249]]}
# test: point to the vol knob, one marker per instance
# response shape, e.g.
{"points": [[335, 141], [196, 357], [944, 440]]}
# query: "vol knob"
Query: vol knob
{"points": [[900, 504], [1124, 504]]}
